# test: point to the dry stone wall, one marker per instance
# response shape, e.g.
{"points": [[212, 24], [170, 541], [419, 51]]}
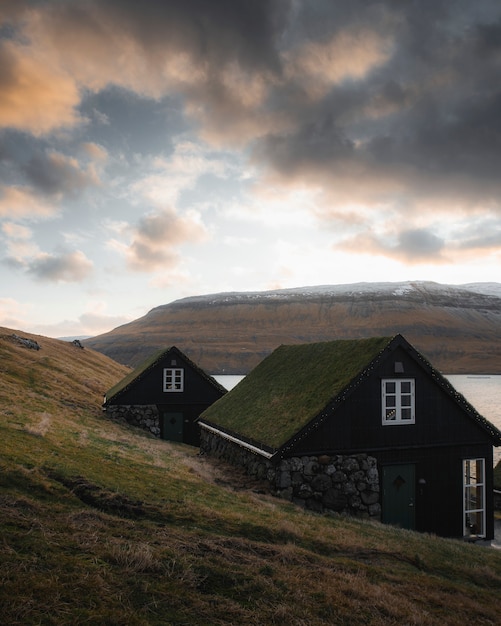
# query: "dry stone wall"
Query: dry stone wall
{"points": [[342, 483], [143, 416]]}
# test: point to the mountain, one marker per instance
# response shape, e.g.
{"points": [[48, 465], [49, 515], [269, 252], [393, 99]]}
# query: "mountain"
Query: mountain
{"points": [[458, 328]]}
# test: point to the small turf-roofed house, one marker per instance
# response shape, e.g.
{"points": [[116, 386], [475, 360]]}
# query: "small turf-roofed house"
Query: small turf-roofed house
{"points": [[164, 394], [367, 427]]}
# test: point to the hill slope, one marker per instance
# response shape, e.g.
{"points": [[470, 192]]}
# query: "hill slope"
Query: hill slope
{"points": [[102, 524], [457, 329]]}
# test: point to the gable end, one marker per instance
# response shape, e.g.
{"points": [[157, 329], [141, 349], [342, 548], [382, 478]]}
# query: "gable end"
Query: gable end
{"points": [[124, 385]]}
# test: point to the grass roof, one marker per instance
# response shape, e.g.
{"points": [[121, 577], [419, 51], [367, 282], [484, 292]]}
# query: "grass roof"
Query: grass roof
{"points": [[290, 387], [134, 374]]}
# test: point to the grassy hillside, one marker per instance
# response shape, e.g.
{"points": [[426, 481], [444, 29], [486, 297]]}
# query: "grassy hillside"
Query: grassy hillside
{"points": [[102, 524]]}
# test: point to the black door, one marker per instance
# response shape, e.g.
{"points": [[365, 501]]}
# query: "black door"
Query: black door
{"points": [[399, 497], [172, 426]]}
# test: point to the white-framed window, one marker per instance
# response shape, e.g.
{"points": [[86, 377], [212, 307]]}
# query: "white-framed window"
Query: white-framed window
{"points": [[474, 497], [398, 401], [173, 379]]}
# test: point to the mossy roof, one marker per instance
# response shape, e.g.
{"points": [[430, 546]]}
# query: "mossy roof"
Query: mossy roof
{"points": [[150, 363], [291, 387]]}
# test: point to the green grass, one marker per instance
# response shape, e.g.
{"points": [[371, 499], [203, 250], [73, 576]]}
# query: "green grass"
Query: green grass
{"points": [[103, 524]]}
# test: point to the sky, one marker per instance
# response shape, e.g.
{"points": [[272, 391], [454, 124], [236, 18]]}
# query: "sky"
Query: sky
{"points": [[155, 150]]}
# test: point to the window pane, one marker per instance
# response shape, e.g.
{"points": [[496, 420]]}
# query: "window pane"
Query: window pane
{"points": [[479, 470], [405, 387], [390, 387], [475, 523], [467, 472], [479, 497], [406, 400], [406, 414], [470, 472], [391, 401], [470, 499], [391, 414]]}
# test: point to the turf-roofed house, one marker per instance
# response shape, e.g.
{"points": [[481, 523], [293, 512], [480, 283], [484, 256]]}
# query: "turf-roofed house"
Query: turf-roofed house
{"points": [[366, 427], [164, 395]]}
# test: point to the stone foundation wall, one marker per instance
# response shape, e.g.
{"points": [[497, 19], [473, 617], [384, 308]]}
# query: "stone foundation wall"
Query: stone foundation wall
{"points": [[341, 483], [143, 416]]}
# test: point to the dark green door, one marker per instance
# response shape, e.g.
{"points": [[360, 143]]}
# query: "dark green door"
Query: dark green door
{"points": [[172, 424], [399, 498]]}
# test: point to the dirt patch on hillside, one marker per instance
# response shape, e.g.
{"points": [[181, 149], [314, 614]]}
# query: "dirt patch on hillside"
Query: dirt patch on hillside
{"points": [[107, 501]]}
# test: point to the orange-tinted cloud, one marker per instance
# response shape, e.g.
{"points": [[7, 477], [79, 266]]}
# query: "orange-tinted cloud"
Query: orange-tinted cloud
{"points": [[34, 97], [157, 238], [346, 55], [18, 202], [95, 151]]}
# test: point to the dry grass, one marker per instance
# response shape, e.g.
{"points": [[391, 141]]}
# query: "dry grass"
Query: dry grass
{"points": [[101, 524]]}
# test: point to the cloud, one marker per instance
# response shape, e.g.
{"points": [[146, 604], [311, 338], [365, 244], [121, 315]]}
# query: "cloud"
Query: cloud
{"points": [[157, 237], [88, 324], [34, 96], [18, 245], [95, 151], [481, 237], [403, 97], [43, 178], [419, 244], [16, 231], [160, 44], [219, 56], [347, 55], [12, 313], [97, 321], [22, 253], [18, 202], [409, 246], [334, 91], [379, 111], [170, 177], [65, 267], [54, 173], [418, 121]]}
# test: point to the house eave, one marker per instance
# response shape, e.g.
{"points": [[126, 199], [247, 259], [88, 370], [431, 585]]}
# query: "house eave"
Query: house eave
{"points": [[240, 442]]}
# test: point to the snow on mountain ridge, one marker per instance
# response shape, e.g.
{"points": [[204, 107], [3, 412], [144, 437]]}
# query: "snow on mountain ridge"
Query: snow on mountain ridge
{"points": [[489, 289], [350, 289]]}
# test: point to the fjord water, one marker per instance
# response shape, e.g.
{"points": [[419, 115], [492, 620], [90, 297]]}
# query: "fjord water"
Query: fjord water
{"points": [[483, 392]]}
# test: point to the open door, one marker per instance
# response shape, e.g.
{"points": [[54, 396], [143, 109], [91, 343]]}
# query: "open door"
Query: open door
{"points": [[399, 497], [172, 426]]}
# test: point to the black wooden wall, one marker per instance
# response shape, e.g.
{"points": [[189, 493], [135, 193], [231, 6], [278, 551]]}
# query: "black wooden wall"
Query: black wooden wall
{"points": [[442, 436], [197, 395]]}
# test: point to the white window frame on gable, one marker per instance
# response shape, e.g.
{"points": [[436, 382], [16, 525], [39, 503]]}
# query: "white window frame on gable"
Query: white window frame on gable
{"points": [[173, 379], [398, 401]]}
